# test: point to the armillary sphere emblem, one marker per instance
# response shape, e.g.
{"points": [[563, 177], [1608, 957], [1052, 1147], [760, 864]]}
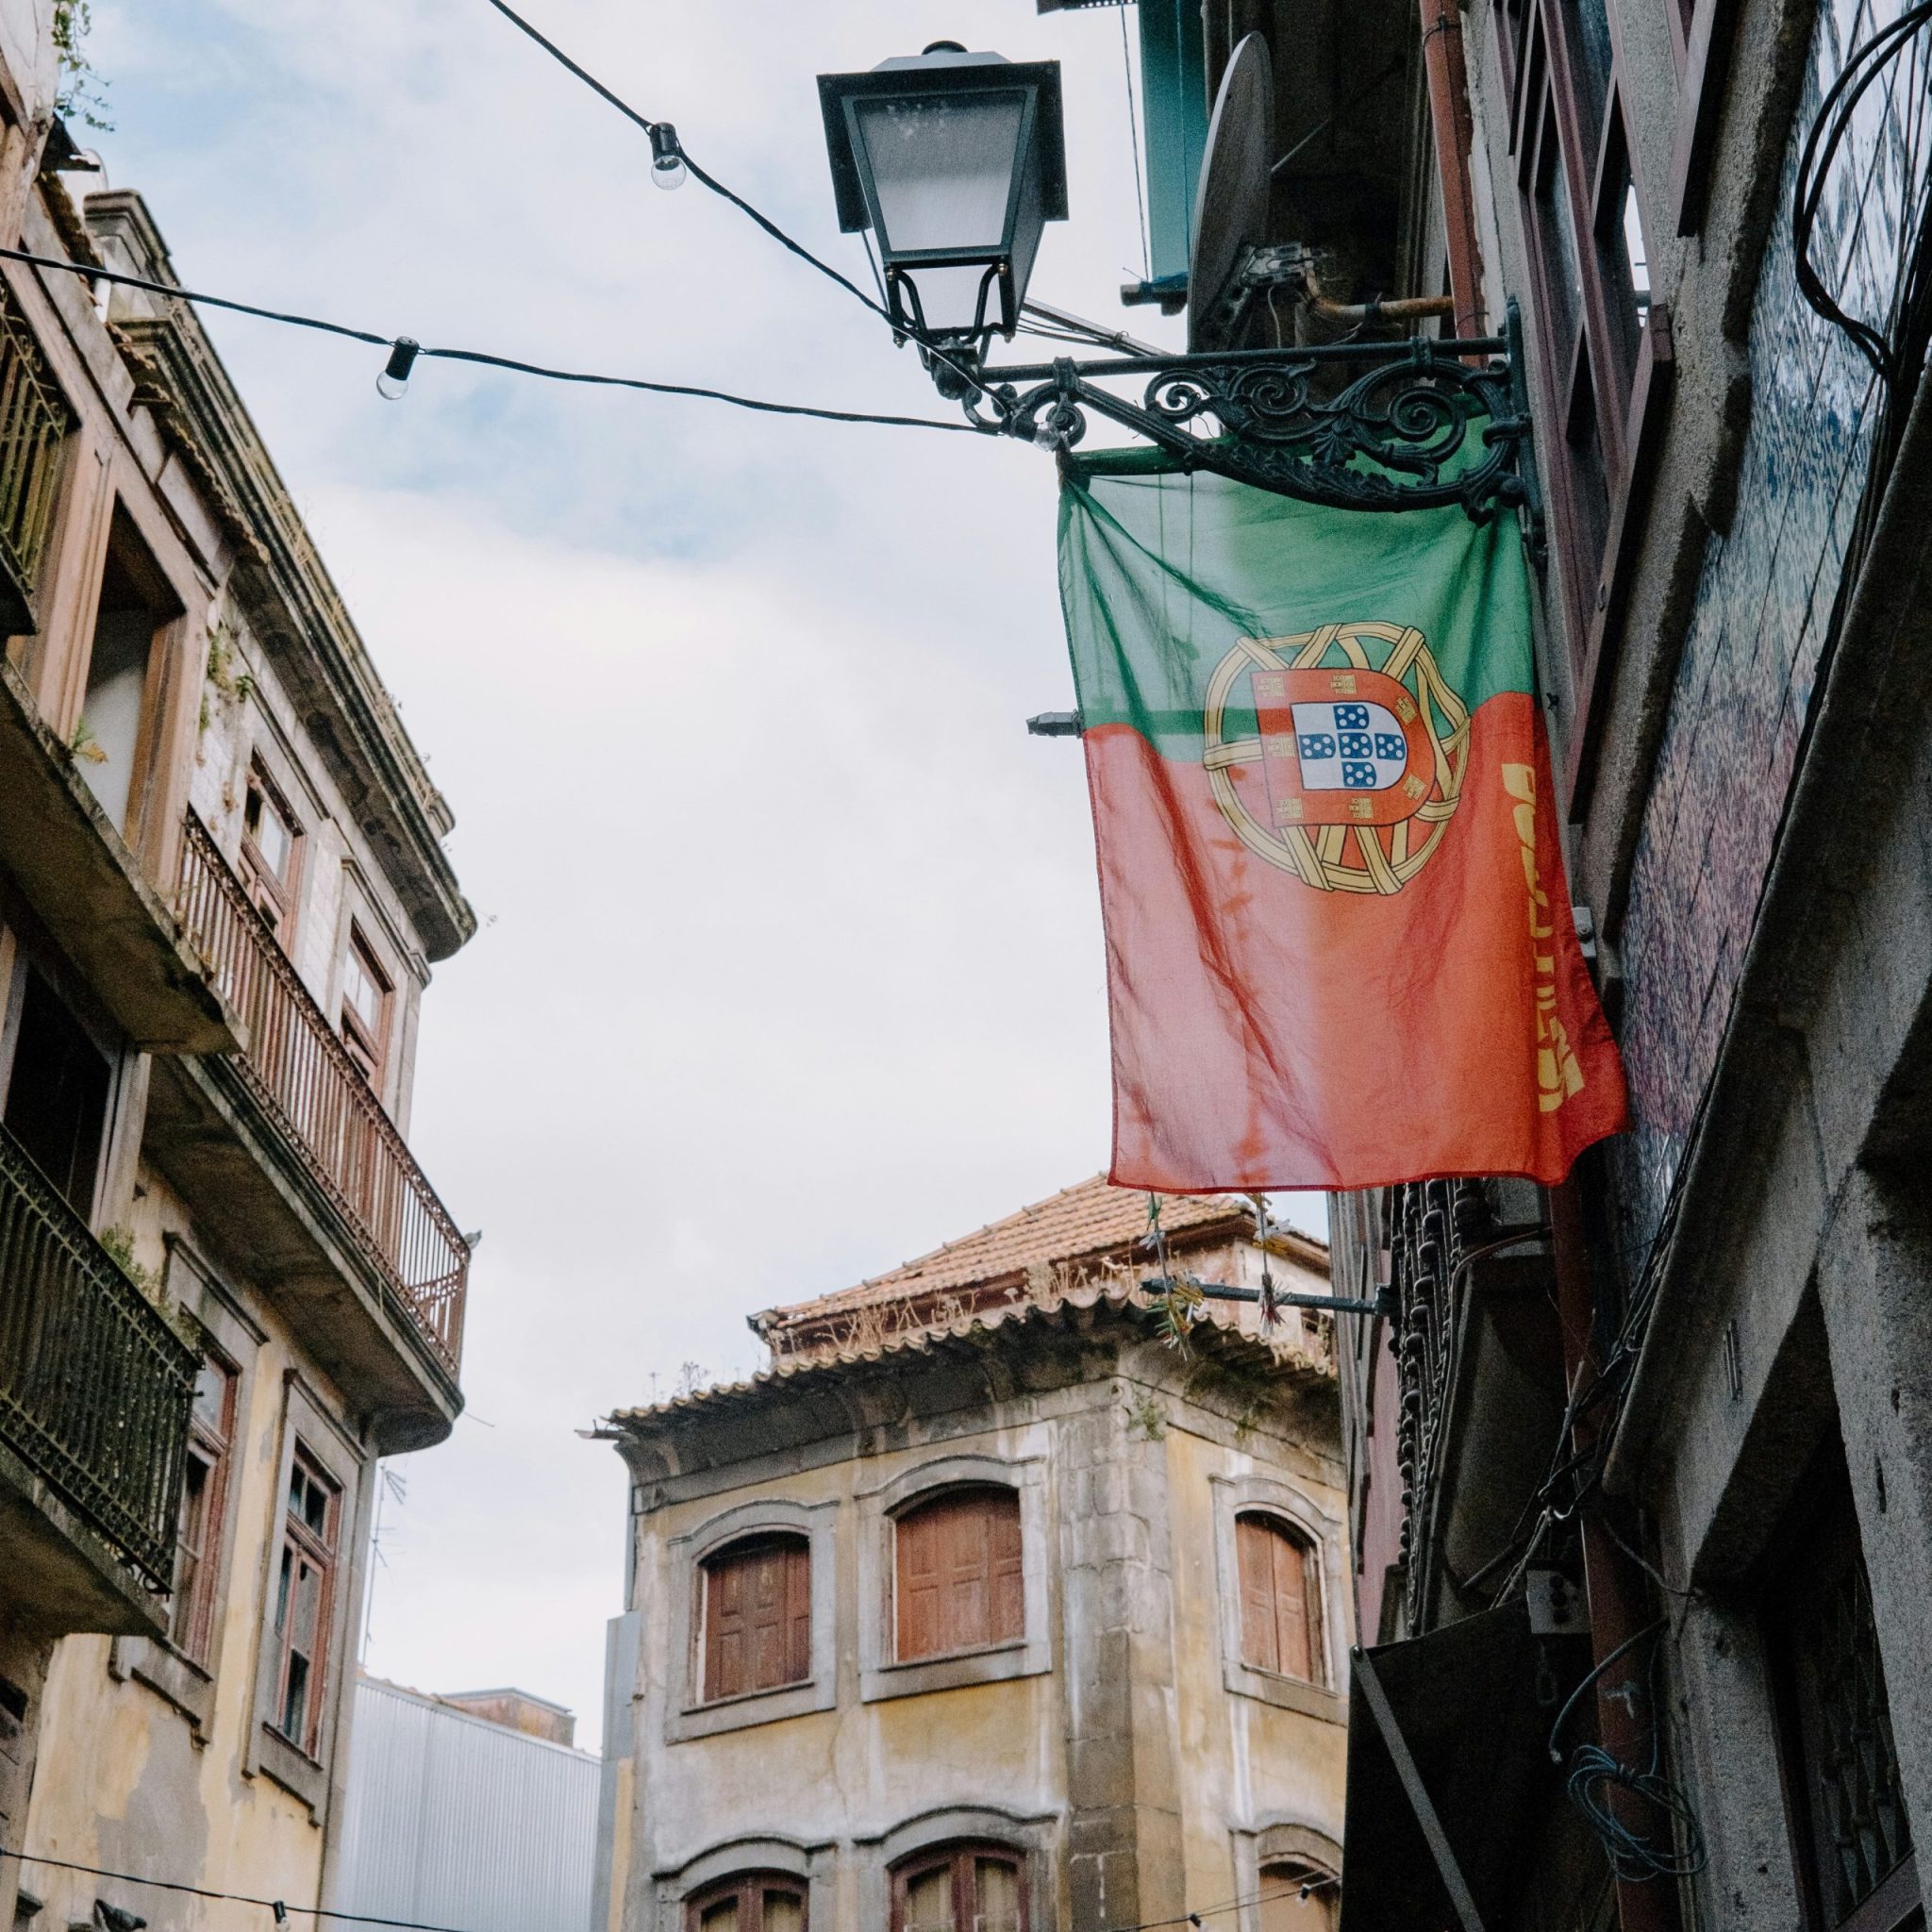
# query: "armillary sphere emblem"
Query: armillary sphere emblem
{"points": [[1354, 769]]}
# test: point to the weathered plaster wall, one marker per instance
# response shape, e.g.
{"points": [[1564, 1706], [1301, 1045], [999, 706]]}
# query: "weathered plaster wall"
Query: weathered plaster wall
{"points": [[127, 1779], [1142, 1780]]}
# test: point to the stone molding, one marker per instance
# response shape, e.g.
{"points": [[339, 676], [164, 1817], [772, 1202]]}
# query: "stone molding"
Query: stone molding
{"points": [[879, 1674], [686, 1713]]}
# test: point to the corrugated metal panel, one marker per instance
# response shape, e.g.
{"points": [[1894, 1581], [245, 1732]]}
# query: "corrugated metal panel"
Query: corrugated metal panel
{"points": [[454, 1822]]}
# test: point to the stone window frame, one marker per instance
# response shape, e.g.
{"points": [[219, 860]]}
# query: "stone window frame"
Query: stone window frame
{"points": [[328, 1444], [1245, 1495], [1264, 1844], [687, 1715], [814, 1865], [1030, 1836], [155, 1661], [1029, 1655]]}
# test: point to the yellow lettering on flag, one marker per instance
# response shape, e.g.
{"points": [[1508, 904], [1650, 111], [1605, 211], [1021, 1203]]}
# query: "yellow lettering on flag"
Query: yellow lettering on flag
{"points": [[1558, 1073]]}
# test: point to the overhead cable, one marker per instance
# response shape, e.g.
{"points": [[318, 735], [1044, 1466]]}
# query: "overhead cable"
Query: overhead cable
{"points": [[479, 356], [279, 1907], [660, 132]]}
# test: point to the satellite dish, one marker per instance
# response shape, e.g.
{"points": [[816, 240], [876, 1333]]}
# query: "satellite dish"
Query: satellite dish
{"points": [[1231, 202]]}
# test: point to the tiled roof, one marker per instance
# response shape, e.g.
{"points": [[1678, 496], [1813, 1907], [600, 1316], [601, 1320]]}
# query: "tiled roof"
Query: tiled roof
{"points": [[1213, 1333], [1089, 1220]]}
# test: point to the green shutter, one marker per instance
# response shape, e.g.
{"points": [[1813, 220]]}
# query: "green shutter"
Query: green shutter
{"points": [[1174, 82]]}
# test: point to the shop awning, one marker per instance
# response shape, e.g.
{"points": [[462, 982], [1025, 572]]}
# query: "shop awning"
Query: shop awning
{"points": [[1449, 1773]]}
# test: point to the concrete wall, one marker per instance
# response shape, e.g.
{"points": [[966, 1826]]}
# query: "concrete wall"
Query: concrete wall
{"points": [[1116, 1752]]}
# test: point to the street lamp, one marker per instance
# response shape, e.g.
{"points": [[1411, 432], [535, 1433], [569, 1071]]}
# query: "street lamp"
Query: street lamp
{"points": [[956, 162]]}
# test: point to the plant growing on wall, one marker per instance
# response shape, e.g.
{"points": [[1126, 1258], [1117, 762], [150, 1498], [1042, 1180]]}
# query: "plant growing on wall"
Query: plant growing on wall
{"points": [[83, 94]]}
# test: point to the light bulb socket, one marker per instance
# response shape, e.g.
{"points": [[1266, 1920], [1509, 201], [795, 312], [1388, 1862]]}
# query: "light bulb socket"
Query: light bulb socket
{"points": [[667, 158], [395, 378]]}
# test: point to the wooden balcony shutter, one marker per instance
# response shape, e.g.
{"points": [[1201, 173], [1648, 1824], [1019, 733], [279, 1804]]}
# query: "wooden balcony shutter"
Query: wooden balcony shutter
{"points": [[960, 1577], [1280, 1612], [757, 1617]]}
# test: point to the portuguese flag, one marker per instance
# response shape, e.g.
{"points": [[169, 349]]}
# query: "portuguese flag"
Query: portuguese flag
{"points": [[1340, 946]]}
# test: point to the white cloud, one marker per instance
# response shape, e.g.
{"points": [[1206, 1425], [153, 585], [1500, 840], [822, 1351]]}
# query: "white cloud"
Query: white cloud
{"points": [[795, 966]]}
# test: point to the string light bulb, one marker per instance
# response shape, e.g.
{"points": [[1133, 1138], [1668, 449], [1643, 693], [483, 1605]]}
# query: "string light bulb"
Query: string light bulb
{"points": [[666, 160], [395, 378]]}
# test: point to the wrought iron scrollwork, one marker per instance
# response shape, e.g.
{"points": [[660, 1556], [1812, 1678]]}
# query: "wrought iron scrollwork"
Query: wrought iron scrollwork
{"points": [[1425, 424]]}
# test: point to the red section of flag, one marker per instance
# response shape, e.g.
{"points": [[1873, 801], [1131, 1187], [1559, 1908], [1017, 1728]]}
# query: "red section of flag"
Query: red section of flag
{"points": [[1269, 1035]]}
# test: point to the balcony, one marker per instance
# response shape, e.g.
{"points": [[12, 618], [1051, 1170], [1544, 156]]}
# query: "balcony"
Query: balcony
{"points": [[95, 1393], [303, 1075], [1479, 1363], [35, 421]]}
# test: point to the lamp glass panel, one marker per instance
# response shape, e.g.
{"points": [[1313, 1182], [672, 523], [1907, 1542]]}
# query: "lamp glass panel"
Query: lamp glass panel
{"points": [[949, 298], [942, 170]]}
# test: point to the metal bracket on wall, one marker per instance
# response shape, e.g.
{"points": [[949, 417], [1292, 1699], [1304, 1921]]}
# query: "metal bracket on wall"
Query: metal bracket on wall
{"points": [[1384, 1303], [1425, 423]]}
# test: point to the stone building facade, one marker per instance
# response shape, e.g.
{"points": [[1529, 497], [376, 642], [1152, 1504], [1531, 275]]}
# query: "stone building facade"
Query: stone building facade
{"points": [[987, 1606], [227, 1288], [1672, 1423]]}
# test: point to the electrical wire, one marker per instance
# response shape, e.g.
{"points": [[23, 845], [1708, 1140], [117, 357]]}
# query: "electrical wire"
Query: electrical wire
{"points": [[281, 1907], [737, 201], [482, 357]]}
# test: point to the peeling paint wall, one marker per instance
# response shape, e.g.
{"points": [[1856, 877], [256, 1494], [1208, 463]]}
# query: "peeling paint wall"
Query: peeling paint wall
{"points": [[1119, 1756]]}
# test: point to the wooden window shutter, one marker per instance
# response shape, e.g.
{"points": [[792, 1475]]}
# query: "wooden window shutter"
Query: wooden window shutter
{"points": [[959, 1575], [1279, 1598], [758, 1618]]}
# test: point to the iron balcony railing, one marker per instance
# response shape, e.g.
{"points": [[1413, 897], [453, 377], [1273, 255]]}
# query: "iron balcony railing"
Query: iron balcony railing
{"points": [[35, 421], [302, 1075], [95, 1386]]}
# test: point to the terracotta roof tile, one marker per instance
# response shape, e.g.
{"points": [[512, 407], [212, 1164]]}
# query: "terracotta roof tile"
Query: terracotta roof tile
{"points": [[1213, 1332], [1090, 1219]]}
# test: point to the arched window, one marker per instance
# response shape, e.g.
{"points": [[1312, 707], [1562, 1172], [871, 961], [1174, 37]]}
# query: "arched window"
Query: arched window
{"points": [[1281, 1598], [963, 1889], [753, 1902], [1298, 1898], [757, 1616], [958, 1574]]}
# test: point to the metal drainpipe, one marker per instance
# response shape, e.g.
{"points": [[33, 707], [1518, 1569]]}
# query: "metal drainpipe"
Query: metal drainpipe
{"points": [[1455, 131], [1611, 1581]]}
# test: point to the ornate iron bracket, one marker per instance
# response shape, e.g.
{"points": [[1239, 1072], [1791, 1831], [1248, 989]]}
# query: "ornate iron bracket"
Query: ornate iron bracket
{"points": [[1427, 422]]}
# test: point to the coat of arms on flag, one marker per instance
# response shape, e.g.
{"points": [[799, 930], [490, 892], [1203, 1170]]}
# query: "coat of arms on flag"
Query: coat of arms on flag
{"points": [[1338, 941], [1355, 766]]}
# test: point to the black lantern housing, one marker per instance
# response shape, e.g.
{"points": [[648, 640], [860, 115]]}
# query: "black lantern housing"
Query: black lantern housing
{"points": [[954, 161]]}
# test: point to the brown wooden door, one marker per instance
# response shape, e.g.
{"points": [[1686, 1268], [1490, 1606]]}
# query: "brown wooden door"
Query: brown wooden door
{"points": [[959, 1581], [757, 1617]]}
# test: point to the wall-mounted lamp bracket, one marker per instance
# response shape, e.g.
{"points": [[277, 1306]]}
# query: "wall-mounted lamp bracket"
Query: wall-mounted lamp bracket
{"points": [[1427, 422]]}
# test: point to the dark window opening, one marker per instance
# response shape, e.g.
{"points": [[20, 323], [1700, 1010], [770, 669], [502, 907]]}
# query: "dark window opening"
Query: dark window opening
{"points": [[304, 1604], [56, 1094], [1844, 1798], [134, 605]]}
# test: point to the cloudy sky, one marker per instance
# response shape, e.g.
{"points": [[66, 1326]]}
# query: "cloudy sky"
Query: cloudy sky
{"points": [[790, 961]]}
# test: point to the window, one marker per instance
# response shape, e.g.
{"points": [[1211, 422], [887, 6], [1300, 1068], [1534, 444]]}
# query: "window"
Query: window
{"points": [[959, 1583], [269, 834], [1295, 1897], [1591, 312], [135, 603], [1281, 1598], [56, 1094], [969, 1889], [366, 990], [760, 1902], [1843, 1795], [204, 1488], [304, 1590], [757, 1617]]}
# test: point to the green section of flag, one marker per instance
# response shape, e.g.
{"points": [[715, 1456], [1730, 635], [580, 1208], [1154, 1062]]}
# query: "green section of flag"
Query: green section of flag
{"points": [[1161, 572]]}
